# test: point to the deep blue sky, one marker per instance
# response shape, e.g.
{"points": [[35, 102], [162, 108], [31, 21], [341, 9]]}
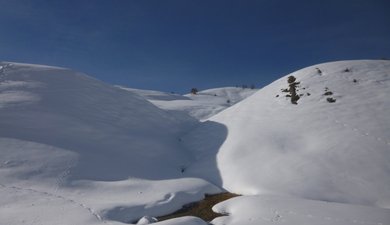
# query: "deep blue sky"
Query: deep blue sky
{"points": [[173, 45]]}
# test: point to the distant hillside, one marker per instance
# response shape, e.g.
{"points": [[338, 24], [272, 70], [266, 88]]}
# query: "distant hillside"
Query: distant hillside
{"points": [[202, 105], [155, 95]]}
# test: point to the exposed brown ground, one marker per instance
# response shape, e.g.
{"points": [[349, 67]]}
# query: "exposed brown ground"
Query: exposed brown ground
{"points": [[201, 209]]}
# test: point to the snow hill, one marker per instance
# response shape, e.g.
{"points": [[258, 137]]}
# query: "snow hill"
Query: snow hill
{"points": [[201, 106], [70, 110], [334, 150], [74, 150], [84, 152]]}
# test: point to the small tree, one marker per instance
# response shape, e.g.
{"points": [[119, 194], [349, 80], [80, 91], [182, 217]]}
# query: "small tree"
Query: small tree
{"points": [[319, 71], [253, 86], [291, 80], [194, 91]]}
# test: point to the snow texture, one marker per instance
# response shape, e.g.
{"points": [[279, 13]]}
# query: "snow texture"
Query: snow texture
{"points": [[337, 152], [74, 150], [271, 209]]}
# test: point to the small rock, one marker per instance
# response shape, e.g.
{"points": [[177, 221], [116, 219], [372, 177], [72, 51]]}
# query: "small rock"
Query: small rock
{"points": [[331, 100]]}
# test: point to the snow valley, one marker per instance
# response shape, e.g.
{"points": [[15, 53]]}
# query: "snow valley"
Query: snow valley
{"points": [[310, 148]]}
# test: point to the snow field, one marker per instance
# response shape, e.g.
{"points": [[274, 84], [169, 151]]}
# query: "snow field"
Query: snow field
{"points": [[74, 150]]}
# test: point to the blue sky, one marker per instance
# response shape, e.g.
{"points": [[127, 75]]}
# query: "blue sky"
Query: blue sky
{"points": [[173, 45]]}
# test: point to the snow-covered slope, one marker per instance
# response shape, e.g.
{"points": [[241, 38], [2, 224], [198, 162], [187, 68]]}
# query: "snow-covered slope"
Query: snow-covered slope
{"points": [[275, 209], [74, 150], [202, 105], [315, 149], [73, 111], [155, 95]]}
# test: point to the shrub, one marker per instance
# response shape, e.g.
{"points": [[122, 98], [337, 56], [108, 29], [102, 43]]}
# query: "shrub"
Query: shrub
{"points": [[331, 100], [347, 70], [284, 90], [294, 99], [328, 93], [291, 79], [194, 91]]}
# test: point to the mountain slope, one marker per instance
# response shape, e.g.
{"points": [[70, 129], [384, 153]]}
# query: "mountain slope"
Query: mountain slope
{"points": [[200, 106], [315, 149], [73, 111], [75, 150]]}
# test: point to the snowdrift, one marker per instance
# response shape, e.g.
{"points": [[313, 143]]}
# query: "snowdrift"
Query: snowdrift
{"points": [[333, 145]]}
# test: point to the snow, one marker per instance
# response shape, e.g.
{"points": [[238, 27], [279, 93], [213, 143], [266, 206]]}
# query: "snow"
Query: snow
{"points": [[155, 95], [201, 106], [75, 112], [271, 209], [336, 152], [75, 150]]}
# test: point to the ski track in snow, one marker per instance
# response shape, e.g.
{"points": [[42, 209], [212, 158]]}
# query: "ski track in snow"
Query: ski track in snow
{"points": [[56, 196]]}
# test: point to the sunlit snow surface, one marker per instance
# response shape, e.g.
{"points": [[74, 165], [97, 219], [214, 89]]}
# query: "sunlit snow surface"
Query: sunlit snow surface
{"points": [[201, 106], [77, 151], [74, 150]]}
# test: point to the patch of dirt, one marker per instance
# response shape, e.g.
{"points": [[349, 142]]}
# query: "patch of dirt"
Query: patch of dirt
{"points": [[202, 208]]}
